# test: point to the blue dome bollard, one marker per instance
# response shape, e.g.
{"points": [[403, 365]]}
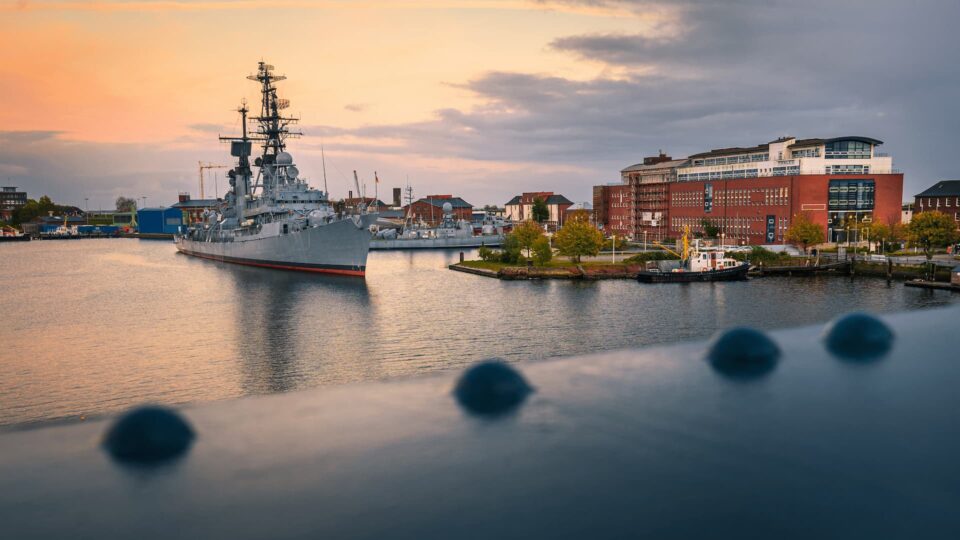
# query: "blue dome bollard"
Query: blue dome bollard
{"points": [[491, 388], [148, 435], [858, 336], [743, 353]]}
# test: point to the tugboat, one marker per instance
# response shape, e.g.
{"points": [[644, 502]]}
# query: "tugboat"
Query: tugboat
{"points": [[275, 219], [696, 264]]}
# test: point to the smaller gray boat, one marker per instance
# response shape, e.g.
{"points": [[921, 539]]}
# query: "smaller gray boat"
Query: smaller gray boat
{"points": [[450, 233]]}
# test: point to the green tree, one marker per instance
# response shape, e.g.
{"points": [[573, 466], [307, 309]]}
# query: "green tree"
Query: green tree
{"points": [[886, 235], [125, 204], [526, 234], [709, 229], [510, 250], [930, 231], [577, 238], [540, 211], [804, 232], [542, 252]]}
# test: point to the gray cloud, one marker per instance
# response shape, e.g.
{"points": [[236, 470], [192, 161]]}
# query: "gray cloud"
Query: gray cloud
{"points": [[355, 107], [733, 73]]}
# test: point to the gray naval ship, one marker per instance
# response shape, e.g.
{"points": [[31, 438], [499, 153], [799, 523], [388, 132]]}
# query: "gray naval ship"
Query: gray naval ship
{"points": [[274, 219]]}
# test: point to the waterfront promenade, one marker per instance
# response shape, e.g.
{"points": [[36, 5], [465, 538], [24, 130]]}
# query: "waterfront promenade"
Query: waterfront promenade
{"points": [[656, 443]]}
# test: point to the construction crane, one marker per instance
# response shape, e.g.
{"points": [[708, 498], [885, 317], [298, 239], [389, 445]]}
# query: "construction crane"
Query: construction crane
{"points": [[686, 245], [208, 166]]}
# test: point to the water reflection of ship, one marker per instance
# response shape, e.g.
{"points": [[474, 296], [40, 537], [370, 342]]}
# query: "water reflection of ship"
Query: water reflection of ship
{"points": [[451, 232], [292, 329]]}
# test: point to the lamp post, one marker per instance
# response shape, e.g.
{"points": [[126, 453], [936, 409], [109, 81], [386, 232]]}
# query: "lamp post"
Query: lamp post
{"points": [[723, 236], [645, 240]]}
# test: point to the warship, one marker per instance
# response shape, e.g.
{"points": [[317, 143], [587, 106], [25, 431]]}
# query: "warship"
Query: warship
{"points": [[274, 219]]}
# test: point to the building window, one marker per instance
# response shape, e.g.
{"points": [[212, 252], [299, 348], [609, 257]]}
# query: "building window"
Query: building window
{"points": [[847, 149], [851, 195]]}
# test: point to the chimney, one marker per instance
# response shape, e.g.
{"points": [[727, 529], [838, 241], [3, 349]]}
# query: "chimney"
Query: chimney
{"points": [[396, 197], [350, 194]]}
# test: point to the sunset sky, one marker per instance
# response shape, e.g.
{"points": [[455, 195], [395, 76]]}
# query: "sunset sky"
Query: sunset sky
{"points": [[479, 98]]}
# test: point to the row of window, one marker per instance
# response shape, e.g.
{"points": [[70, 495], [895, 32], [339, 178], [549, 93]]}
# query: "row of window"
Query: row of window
{"points": [[847, 150], [806, 152], [851, 194], [786, 171], [848, 169], [742, 158], [935, 203], [719, 175]]}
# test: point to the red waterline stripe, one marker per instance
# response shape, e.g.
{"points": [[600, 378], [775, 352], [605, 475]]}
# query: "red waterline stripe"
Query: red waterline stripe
{"points": [[356, 273]]}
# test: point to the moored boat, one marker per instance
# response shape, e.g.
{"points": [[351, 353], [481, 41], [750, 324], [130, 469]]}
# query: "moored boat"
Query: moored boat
{"points": [[697, 264], [274, 219]]}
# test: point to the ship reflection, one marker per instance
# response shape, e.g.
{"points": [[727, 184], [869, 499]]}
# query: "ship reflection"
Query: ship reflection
{"points": [[293, 328]]}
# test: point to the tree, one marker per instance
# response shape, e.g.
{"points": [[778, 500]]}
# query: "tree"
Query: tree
{"points": [[542, 252], [577, 238], [931, 230], [578, 215], [886, 234], [526, 234], [540, 211], [126, 204], [709, 229], [804, 232]]}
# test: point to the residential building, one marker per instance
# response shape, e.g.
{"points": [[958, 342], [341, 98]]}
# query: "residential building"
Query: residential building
{"points": [[520, 208], [944, 196], [430, 208]]}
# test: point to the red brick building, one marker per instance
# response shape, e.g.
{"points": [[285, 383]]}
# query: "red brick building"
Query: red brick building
{"points": [[615, 204], [944, 197], [751, 194], [430, 208]]}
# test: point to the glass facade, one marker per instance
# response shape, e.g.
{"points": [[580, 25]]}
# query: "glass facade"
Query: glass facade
{"points": [[851, 195], [846, 149]]}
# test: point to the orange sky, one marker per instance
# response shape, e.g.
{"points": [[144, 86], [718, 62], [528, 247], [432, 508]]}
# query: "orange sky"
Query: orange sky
{"points": [[144, 71]]}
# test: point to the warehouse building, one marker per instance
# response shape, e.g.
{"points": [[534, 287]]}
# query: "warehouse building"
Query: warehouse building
{"points": [[159, 221]]}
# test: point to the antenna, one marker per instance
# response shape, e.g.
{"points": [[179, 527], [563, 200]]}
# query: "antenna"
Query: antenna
{"points": [[323, 160]]}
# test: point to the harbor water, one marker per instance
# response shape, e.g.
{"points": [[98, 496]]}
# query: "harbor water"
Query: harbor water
{"points": [[94, 327]]}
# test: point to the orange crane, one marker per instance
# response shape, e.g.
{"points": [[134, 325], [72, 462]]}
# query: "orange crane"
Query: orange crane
{"points": [[208, 166]]}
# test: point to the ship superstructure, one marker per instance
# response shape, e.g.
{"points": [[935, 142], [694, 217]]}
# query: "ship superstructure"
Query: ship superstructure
{"points": [[274, 218]]}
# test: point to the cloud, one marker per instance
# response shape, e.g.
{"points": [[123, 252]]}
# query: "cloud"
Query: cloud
{"points": [[734, 74], [206, 128], [356, 107]]}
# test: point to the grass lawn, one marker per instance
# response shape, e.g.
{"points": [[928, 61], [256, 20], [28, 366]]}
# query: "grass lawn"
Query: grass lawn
{"points": [[556, 263]]}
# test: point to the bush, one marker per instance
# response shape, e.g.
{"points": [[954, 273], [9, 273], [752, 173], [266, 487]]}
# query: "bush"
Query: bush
{"points": [[486, 254], [643, 258], [542, 252], [758, 255]]}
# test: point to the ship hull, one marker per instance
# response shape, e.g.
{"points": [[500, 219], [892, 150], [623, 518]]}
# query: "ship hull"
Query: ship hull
{"points": [[437, 243], [736, 273], [338, 248]]}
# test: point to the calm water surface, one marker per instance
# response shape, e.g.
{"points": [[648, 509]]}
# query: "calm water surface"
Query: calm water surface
{"points": [[95, 326]]}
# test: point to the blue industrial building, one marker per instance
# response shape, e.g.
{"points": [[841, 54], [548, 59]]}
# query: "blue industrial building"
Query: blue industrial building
{"points": [[159, 220]]}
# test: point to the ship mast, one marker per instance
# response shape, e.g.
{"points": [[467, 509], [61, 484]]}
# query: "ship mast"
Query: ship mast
{"points": [[273, 128]]}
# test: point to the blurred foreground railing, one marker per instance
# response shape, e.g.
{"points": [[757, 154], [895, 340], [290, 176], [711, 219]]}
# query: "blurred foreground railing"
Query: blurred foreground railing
{"points": [[783, 435]]}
